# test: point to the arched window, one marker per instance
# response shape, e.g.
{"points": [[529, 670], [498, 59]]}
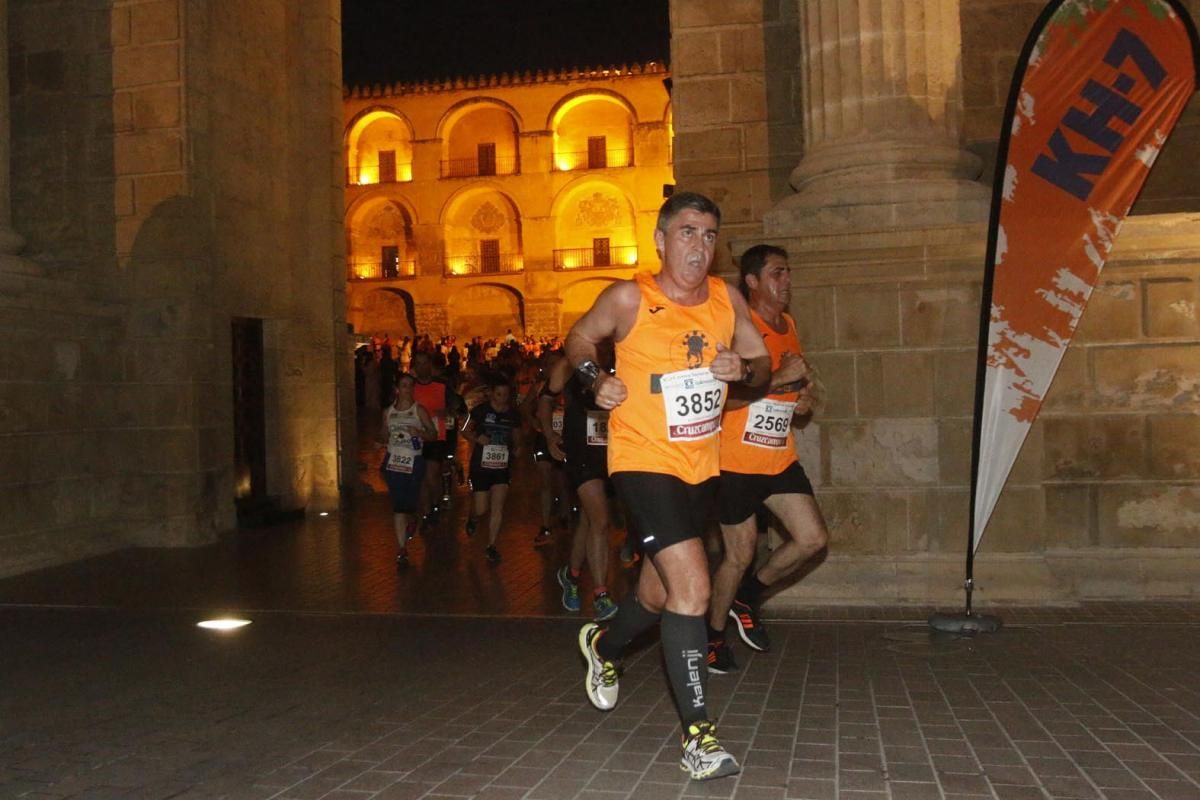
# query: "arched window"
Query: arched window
{"points": [[381, 241], [482, 233], [479, 139], [379, 149], [594, 226], [592, 131]]}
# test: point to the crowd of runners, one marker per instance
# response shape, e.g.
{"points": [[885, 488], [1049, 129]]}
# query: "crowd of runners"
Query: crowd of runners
{"points": [[674, 400]]}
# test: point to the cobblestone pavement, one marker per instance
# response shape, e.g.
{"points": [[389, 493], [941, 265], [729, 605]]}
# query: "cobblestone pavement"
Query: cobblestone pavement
{"points": [[460, 679]]}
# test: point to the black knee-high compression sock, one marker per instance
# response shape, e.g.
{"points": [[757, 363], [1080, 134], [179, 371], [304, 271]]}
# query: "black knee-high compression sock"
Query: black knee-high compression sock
{"points": [[632, 618], [684, 651]]}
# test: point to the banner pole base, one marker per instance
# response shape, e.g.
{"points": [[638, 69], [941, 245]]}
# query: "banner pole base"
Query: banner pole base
{"points": [[967, 623]]}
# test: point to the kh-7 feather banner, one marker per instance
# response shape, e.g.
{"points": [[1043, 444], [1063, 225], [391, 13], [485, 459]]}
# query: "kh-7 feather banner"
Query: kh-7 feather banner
{"points": [[1098, 88]]}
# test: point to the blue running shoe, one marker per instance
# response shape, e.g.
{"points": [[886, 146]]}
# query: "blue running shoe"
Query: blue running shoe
{"points": [[570, 595], [603, 607]]}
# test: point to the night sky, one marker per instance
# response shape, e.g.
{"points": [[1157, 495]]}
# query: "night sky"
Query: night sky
{"points": [[385, 41]]}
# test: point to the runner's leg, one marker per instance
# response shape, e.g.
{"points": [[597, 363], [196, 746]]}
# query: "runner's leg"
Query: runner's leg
{"points": [[499, 494], [638, 613], [593, 530], [562, 490], [739, 542], [430, 487], [479, 509], [807, 535], [683, 571], [545, 472]]}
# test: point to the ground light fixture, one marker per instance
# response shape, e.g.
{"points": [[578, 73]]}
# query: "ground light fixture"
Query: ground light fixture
{"points": [[223, 624]]}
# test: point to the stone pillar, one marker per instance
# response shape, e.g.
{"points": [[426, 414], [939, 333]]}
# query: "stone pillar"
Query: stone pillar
{"points": [[11, 242], [882, 110]]}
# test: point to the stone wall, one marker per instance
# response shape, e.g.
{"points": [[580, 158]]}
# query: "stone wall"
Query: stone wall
{"points": [[735, 93], [1104, 498], [269, 128], [543, 318], [163, 191]]}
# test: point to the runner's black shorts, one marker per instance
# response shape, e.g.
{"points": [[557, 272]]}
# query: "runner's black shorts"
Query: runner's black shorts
{"points": [[482, 479], [404, 488], [742, 494], [588, 463], [664, 510], [436, 450]]}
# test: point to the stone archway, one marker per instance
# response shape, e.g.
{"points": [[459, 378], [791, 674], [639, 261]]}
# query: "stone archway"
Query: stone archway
{"points": [[486, 310], [477, 217], [379, 147], [579, 297], [381, 242], [594, 226], [385, 311]]}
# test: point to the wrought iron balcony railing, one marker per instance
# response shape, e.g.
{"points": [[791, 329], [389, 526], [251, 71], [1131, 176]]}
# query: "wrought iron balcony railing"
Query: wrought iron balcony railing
{"points": [[476, 167], [591, 257], [369, 173], [374, 269], [483, 264], [590, 159]]}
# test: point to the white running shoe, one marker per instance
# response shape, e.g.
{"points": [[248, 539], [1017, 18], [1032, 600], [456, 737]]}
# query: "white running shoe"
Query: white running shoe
{"points": [[601, 683], [703, 756]]}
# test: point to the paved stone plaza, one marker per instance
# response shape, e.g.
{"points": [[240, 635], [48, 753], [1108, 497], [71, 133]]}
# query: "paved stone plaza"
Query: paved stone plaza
{"points": [[460, 679]]}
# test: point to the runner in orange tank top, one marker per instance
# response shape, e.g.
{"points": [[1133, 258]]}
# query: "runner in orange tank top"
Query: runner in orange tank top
{"points": [[759, 466], [682, 337], [441, 402]]}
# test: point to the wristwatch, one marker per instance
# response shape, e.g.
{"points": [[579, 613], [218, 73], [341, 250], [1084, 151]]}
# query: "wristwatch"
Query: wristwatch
{"points": [[748, 371], [588, 372]]}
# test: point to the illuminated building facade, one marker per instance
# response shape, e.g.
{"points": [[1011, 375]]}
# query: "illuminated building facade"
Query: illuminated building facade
{"points": [[479, 205]]}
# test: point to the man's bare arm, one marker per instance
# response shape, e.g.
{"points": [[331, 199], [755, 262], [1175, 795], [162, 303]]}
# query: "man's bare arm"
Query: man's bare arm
{"points": [[610, 317], [556, 380], [748, 343], [558, 375]]}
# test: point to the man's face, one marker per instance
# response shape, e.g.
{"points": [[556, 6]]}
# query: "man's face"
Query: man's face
{"points": [[422, 367], [687, 246], [773, 284], [501, 395]]}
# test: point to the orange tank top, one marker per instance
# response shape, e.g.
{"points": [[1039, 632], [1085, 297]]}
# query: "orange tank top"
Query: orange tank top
{"points": [[671, 420], [757, 439], [432, 395]]}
